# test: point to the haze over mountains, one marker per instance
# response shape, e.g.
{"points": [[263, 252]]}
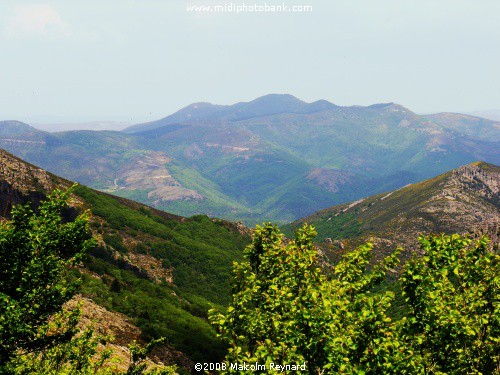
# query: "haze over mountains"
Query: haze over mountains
{"points": [[491, 114], [274, 158], [89, 125]]}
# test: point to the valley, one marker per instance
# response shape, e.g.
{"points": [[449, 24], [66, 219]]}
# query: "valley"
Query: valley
{"points": [[275, 158], [155, 274]]}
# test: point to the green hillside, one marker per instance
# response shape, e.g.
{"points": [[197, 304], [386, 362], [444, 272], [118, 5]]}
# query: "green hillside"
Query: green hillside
{"points": [[164, 272], [464, 200], [161, 270]]}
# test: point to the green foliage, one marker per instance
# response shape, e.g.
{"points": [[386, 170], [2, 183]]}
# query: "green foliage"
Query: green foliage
{"points": [[158, 310], [453, 294], [285, 310], [200, 250], [36, 251], [116, 242], [345, 225]]}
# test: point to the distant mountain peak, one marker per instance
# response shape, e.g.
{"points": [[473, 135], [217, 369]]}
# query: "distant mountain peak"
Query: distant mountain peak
{"points": [[288, 99], [13, 127], [199, 105], [277, 98], [270, 104], [389, 106], [191, 112]]}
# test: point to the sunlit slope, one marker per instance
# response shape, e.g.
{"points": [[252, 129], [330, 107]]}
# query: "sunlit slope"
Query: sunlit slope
{"points": [[463, 200], [161, 270]]}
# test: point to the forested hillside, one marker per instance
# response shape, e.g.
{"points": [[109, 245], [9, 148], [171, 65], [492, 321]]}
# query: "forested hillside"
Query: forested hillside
{"points": [[162, 271]]}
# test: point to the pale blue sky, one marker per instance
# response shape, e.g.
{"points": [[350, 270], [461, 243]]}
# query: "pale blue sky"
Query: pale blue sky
{"points": [[141, 60]]}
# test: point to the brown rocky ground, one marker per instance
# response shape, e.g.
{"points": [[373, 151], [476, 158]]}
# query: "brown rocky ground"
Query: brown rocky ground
{"points": [[121, 333]]}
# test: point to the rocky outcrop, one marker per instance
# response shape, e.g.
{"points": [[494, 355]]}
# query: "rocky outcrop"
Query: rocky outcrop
{"points": [[465, 200], [120, 333], [21, 182]]}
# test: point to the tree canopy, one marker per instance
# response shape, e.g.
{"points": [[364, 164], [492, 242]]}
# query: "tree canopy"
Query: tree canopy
{"points": [[286, 310], [36, 251]]}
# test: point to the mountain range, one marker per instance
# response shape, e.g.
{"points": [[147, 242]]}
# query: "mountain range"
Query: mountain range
{"points": [[155, 274], [274, 158]]}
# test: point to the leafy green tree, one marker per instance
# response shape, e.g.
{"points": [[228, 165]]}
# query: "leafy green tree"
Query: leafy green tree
{"points": [[286, 311], [36, 252], [361, 337], [272, 295], [453, 295]]}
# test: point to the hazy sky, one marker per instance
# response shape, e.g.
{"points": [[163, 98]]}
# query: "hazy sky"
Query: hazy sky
{"points": [[83, 60]]}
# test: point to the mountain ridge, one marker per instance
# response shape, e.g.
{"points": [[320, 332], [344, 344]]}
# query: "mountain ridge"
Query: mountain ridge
{"points": [[246, 163], [464, 200], [270, 104]]}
